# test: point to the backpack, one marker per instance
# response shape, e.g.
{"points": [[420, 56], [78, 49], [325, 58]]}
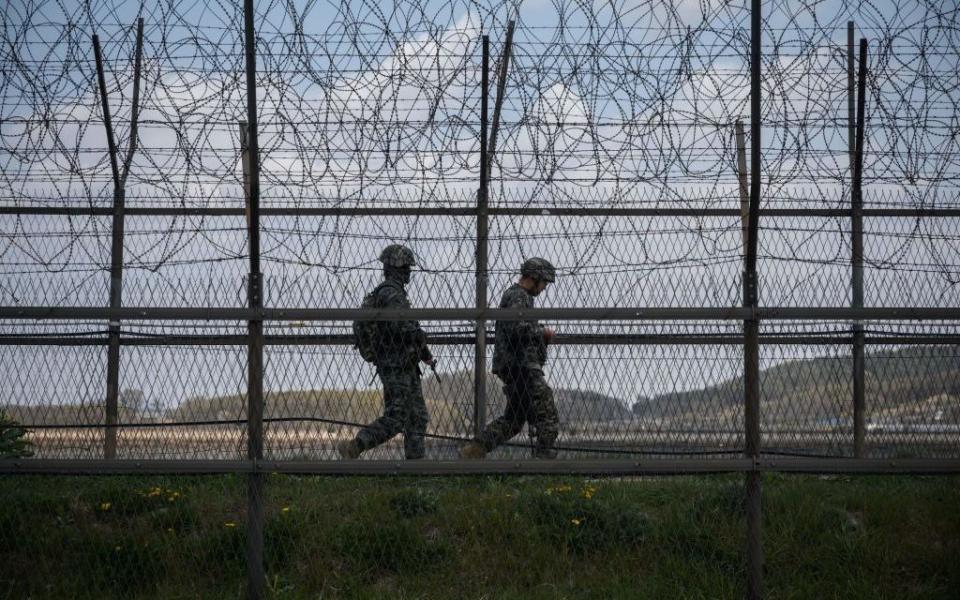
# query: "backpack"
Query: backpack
{"points": [[365, 333]]}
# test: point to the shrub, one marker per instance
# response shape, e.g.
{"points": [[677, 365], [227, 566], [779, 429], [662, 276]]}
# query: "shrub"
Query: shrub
{"points": [[12, 442]]}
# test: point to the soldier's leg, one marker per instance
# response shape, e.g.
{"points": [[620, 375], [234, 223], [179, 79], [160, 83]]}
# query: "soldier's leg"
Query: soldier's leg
{"points": [[417, 418], [394, 410], [511, 422], [543, 415]]}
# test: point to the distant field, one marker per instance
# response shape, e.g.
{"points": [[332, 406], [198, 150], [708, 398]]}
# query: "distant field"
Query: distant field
{"points": [[292, 441], [530, 537]]}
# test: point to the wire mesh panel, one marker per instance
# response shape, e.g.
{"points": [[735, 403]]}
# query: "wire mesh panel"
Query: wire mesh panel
{"points": [[334, 261], [912, 401], [49, 260], [662, 390], [57, 385]]}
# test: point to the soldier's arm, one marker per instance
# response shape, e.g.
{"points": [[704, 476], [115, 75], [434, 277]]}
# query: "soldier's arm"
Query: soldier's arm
{"points": [[409, 331]]}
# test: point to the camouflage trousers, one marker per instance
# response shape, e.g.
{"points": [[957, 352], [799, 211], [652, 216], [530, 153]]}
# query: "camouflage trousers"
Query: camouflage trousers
{"points": [[529, 400], [404, 411]]}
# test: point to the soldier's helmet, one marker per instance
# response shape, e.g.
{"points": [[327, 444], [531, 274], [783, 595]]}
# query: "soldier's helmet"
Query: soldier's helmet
{"points": [[396, 255], [539, 269]]}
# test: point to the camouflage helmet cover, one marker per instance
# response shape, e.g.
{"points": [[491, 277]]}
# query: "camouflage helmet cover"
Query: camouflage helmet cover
{"points": [[396, 255], [539, 269]]}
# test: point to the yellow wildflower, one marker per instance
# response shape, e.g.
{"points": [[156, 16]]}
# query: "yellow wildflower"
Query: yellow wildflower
{"points": [[576, 521], [285, 509], [229, 524], [105, 506]]}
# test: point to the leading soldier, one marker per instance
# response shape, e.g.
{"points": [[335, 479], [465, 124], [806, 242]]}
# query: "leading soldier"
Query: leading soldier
{"points": [[518, 358], [396, 348]]}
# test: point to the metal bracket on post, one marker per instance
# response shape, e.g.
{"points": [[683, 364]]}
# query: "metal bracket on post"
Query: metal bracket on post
{"points": [[750, 291]]}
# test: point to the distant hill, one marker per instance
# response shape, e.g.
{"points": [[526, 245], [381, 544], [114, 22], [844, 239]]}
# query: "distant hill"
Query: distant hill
{"points": [[573, 406], [351, 406], [449, 401], [909, 385], [63, 414]]}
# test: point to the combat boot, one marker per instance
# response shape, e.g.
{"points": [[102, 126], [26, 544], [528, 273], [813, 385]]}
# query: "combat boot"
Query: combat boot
{"points": [[349, 449], [472, 451]]}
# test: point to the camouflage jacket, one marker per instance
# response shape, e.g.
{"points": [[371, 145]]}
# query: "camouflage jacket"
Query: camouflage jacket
{"points": [[402, 343], [518, 344]]}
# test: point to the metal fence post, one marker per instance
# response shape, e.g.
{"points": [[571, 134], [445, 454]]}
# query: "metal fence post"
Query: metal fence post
{"points": [[480, 351], [487, 151], [245, 165], [751, 326], [255, 568], [504, 66], [742, 176], [856, 242], [112, 410]]}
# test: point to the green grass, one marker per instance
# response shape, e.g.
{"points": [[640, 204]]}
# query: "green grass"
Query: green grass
{"points": [[531, 537]]}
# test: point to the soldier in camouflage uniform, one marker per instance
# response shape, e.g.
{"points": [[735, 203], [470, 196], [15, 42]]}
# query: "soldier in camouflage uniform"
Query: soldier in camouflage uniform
{"points": [[401, 345], [518, 358]]}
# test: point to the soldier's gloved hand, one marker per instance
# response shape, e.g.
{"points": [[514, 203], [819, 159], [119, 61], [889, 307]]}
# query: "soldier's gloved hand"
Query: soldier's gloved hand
{"points": [[431, 362], [548, 334]]}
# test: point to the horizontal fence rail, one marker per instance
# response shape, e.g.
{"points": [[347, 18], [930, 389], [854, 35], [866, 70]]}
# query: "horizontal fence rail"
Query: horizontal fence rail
{"points": [[136, 339], [547, 211], [519, 467], [502, 314]]}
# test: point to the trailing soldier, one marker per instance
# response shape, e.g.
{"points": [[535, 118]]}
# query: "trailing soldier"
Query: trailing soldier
{"points": [[518, 358]]}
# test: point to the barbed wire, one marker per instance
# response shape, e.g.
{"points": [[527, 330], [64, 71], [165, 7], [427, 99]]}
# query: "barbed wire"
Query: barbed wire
{"points": [[366, 105]]}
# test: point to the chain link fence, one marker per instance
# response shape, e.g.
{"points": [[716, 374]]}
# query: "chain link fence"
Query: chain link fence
{"points": [[183, 270]]}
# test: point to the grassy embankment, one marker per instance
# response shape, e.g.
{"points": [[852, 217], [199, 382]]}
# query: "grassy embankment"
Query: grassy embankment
{"points": [[183, 537]]}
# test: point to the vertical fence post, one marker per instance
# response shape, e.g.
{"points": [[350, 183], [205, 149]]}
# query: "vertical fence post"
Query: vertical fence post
{"points": [[851, 100], [116, 270], [245, 164], [856, 242], [744, 185], [501, 93], [112, 411], [751, 349], [856, 233], [255, 571], [487, 151], [480, 350]]}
